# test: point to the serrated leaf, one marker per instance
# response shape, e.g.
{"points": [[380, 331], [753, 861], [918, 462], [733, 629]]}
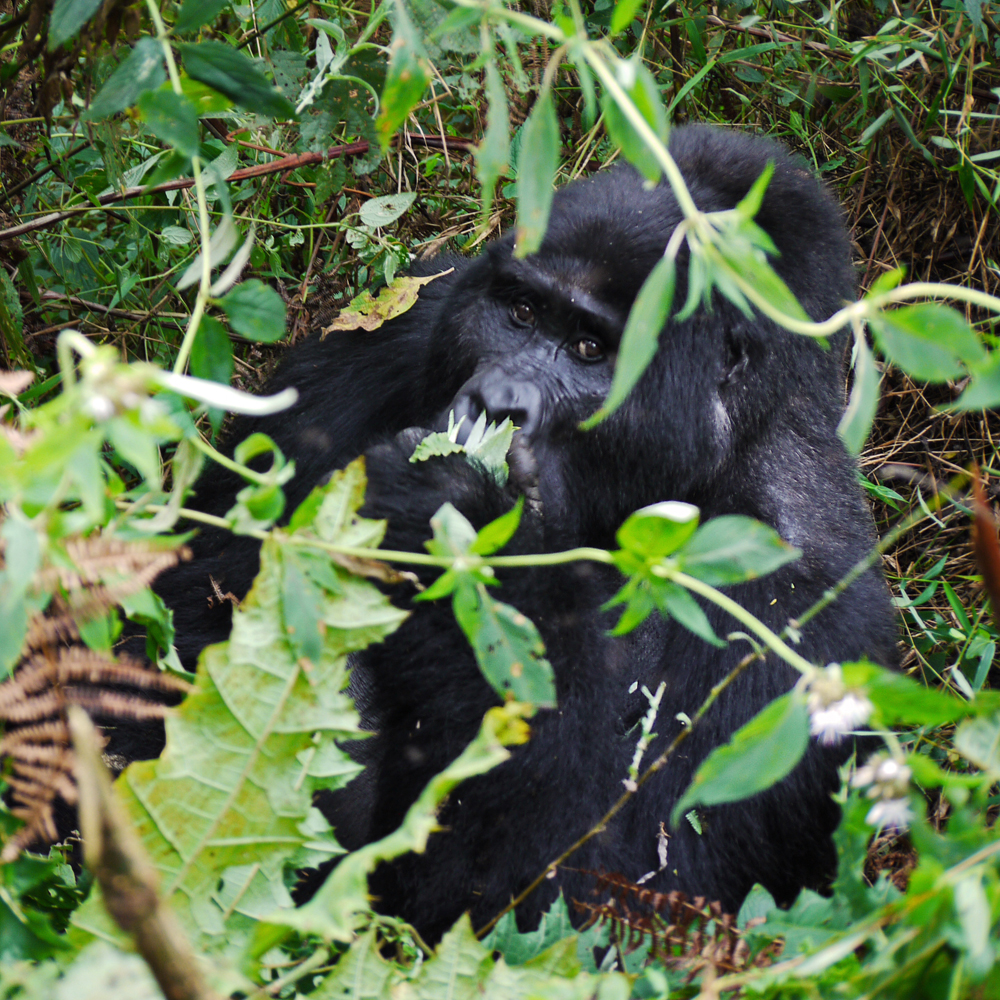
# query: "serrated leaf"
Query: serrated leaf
{"points": [[230, 72], [659, 529], [142, 70], [733, 548], [67, 18], [230, 783], [536, 171], [641, 337], [758, 756], [928, 341], [255, 311], [334, 911], [499, 532]]}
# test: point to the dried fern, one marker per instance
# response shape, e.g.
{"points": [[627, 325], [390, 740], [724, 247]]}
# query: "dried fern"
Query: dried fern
{"points": [[91, 576], [681, 933]]}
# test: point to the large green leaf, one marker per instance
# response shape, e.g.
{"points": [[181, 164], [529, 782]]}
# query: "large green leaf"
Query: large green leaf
{"points": [[462, 968], [734, 548], [230, 72], [255, 739], [928, 341], [68, 17], [856, 422], [493, 152], [407, 77], [255, 311], [641, 337], [536, 170], [142, 70], [760, 754]]}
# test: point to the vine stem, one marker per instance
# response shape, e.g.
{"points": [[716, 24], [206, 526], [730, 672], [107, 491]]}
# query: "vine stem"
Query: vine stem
{"points": [[204, 228], [743, 616]]}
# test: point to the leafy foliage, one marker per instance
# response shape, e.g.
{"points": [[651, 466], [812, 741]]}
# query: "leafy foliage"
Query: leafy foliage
{"points": [[230, 113]]}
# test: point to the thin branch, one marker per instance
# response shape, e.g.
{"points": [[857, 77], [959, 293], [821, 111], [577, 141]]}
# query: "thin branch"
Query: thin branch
{"points": [[259, 170]]}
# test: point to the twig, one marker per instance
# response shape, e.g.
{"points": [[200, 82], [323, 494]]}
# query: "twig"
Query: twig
{"points": [[128, 880], [286, 163], [653, 768]]}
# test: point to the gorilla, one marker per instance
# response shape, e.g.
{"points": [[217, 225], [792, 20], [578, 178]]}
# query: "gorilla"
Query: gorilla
{"points": [[734, 414]]}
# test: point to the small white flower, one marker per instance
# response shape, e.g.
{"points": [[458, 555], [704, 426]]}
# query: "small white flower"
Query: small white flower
{"points": [[834, 710], [894, 814], [100, 407], [831, 723]]}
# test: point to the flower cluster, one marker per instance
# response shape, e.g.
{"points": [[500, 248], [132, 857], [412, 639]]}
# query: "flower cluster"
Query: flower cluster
{"points": [[888, 782], [834, 710]]}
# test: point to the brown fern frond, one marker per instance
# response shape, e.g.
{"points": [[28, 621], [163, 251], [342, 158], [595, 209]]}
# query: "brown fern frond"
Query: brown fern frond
{"points": [[89, 577], [681, 933]]}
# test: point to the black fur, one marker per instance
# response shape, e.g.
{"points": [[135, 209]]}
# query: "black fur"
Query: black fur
{"points": [[733, 415]]}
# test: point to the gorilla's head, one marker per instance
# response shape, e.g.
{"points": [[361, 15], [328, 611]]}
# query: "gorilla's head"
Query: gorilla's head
{"points": [[537, 339]]}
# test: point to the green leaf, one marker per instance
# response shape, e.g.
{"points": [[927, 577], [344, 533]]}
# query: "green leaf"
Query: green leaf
{"points": [[978, 740], [733, 548], [136, 445], [928, 341], [236, 780], [171, 118], [750, 263], [508, 648], [407, 77], [856, 423], [641, 337], [68, 17], [195, 13], [386, 209], [142, 70], [623, 15], [498, 533], [230, 72], [536, 171], [899, 699], [641, 88], [493, 153], [673, 600], [655, 531], [758, 756], [983, 390], [342, 901], [212, 352], [255, 311], [486, 446]]}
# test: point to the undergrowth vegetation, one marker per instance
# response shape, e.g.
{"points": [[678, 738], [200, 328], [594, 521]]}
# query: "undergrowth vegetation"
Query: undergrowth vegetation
{"points": [[189, 187]]}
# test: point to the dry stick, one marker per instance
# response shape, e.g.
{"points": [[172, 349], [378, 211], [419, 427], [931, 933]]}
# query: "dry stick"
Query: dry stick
{"points": [[276, 166], [653, 768], [114, 853]]}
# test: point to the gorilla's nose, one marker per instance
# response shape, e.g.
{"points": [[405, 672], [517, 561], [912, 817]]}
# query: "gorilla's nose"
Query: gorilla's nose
{"points": [[499, 396]]}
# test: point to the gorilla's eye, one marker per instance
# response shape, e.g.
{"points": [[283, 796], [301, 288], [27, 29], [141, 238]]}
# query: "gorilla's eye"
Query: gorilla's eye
{"points": [[588, 349], [523, 313]]}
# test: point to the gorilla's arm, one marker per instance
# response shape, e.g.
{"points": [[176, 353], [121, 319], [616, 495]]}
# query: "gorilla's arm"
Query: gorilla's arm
{"points": [[355, 388]]}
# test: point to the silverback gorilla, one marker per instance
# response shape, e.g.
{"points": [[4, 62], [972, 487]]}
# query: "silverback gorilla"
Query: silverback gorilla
{"points": [[734, 415]]}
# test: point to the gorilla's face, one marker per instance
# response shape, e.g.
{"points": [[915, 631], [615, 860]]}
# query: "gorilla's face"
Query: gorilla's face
{"points": [[538, 340]]}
